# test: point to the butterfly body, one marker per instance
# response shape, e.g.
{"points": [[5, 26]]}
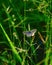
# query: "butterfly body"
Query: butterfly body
{"points": [[30, 33]]}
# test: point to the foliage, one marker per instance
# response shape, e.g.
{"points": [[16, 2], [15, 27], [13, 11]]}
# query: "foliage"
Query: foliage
{"points": [[17, 16]]}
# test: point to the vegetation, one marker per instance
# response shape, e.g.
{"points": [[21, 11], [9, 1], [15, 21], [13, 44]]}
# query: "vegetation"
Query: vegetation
{"points": [[17, 16]]}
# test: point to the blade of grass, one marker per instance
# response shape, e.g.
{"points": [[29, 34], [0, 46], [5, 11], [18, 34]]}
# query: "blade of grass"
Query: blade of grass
{"points": [[11, 45]]}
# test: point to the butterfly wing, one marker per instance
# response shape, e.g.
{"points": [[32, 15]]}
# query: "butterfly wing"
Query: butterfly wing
{"points": [[27, 33], [33, 31], [30, 33]]}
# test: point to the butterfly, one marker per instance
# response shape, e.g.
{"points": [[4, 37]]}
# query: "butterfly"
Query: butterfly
{"points": [[30, 33]]}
